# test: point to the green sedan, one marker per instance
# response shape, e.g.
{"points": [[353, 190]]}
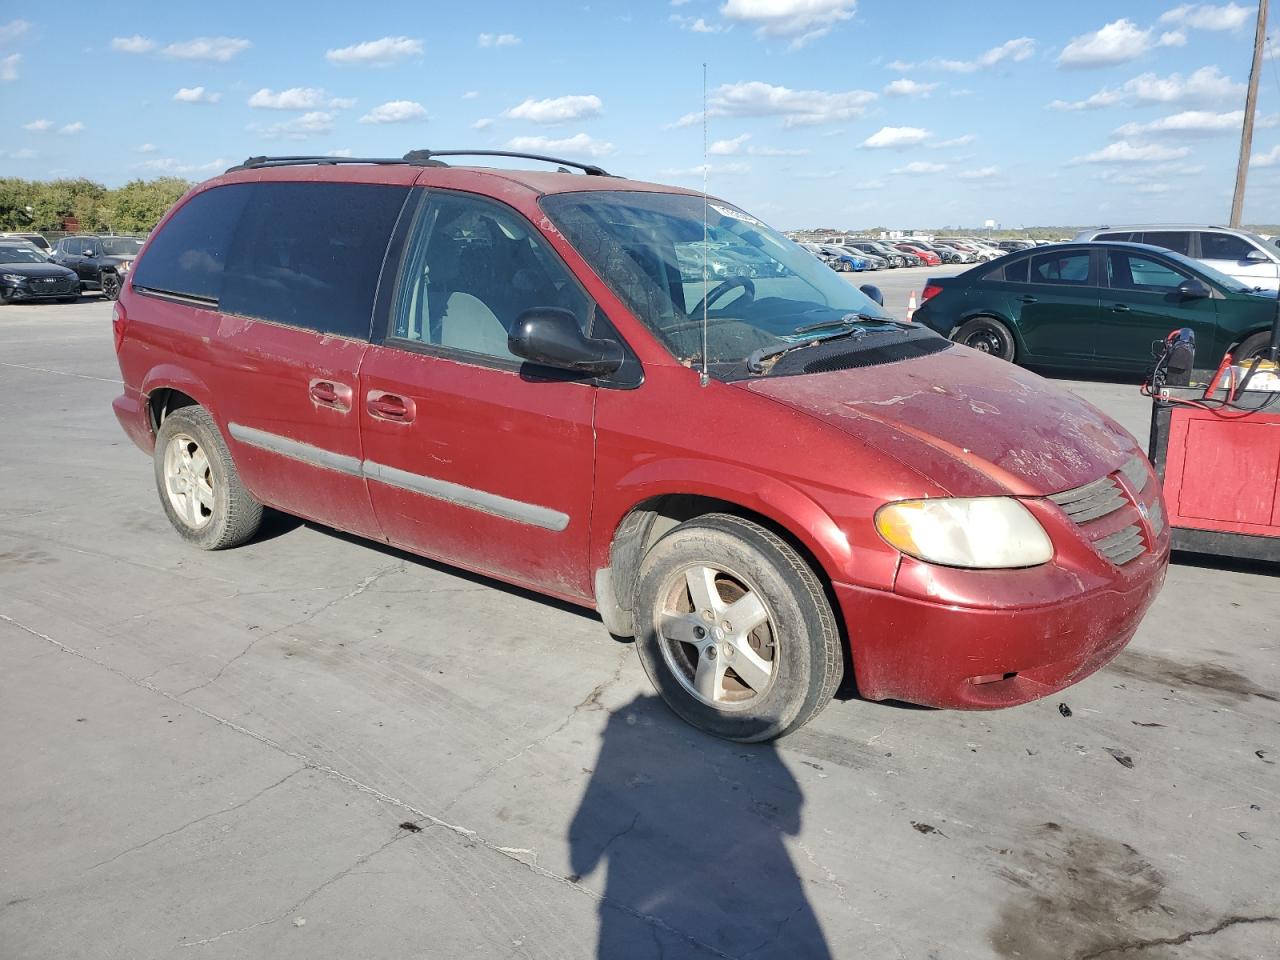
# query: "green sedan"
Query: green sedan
{"points": [[1098, 305]]}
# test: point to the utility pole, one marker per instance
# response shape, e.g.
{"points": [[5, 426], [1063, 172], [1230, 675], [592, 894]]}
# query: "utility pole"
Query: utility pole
{"points": [[1250, 108]]}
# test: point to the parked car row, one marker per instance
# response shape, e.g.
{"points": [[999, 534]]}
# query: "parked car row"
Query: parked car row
{"points": [[31, 269]]}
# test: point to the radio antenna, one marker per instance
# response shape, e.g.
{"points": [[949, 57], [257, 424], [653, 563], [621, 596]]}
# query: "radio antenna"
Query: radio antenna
{"points": [[704, 378]]}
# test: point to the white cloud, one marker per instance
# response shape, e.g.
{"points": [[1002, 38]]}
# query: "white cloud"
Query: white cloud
{"points": [[798, 20], [471, 95], [145, 148], [497, 40], [378, 53], [1205, 86], [921, 166], [1014, 51], [1122, 151], [298, 98], [396, 111], [196, 95], [1117, 42], [299, 128], [38, 126], [578, 145], [695, 24], [1204, 16], [982, 173], [71, 129], [13, 30], [484, 123], [796, 107], [9, 67], [176, 168], [215, 49], [896, 138], [1269, 159], [909, 88], [953, 142], [557, 109], [1187, 123], [135, 44], [726, 148]]}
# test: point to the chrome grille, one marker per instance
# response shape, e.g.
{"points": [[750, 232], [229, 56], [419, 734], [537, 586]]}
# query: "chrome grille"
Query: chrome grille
{"points": [[1122, 546], [1091, 501]]}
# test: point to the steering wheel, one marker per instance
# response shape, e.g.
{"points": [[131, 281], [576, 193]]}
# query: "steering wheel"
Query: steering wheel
{"points": [[720, 289]]}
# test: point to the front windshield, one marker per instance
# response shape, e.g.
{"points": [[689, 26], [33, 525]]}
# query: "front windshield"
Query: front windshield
{"points": [[21, 253], [121, 246], [761, 290], [1230, 284]]}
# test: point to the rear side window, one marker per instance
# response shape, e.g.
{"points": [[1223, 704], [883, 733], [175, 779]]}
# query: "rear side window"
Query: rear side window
{"points": [[1015, 272], [1224, 246], [1114, 236], [310, 254], [1179, 241], [1064, 268], [188, 256]]}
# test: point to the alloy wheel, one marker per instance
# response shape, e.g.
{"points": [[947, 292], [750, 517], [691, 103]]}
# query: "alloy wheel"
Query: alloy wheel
{"points": [[717, 636], [188, 481]]}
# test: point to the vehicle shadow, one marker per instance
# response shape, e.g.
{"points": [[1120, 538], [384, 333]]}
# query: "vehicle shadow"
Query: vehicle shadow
{"points": [[689, 831]]}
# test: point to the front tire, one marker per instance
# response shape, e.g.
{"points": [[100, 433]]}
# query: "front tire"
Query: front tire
{"points": [[735, 631], [199, 487], [987, 335], [110, 286]]}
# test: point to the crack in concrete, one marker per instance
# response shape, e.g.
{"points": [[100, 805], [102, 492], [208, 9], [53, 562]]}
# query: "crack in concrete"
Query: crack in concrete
{"points": [[360, 588], [1138, 945], [216, 813], [295, 907], [590, 702], [419, 815]]}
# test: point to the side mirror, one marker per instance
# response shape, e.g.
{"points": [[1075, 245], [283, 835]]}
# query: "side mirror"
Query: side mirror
{"points": [[1256, 256], [872, 291], [550, 336], [1193, 290]]}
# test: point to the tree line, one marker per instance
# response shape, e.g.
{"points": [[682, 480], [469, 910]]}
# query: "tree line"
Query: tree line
{"points": [[44, 205]]}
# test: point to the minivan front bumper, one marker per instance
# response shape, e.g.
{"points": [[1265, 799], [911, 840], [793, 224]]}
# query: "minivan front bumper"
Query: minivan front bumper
{"points": [[966, 656]]}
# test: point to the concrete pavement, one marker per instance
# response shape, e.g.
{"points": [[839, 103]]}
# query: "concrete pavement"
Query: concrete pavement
{"points": [[317, 747]]}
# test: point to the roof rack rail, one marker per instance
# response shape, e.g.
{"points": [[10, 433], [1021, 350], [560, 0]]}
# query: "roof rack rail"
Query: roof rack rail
{"points": [[426, 156], [420, 158]]}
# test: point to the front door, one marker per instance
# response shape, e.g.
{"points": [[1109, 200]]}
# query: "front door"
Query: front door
{"points": [[1239, 259], [1142, 304], [471, 457], [1057, 305]]}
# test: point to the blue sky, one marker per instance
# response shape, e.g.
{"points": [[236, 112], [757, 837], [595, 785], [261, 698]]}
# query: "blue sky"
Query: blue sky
{"points": [[822, 112]]}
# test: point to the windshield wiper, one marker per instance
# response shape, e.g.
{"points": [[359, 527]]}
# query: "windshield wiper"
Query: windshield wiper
{"points": [[849, 324]]}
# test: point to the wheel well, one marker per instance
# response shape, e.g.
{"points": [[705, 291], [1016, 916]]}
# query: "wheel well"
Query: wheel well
{"points": [[163, 402]]}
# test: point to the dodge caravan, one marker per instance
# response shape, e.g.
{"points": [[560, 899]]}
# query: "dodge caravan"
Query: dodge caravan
{"points": [[765, 479]]}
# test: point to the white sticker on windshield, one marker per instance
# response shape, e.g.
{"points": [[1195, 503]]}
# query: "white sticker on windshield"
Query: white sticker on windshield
{"points": [[733, 214]]}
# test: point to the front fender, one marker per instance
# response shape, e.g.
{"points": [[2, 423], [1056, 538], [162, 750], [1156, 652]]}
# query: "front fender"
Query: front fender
{"points": [[783, 504]]}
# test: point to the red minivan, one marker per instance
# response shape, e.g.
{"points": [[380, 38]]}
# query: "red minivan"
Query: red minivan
{"points": [[766, 480]]}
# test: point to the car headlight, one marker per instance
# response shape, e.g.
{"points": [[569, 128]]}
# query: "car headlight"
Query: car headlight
{"points": [[122, 266], [977, 532], [13, 277]]}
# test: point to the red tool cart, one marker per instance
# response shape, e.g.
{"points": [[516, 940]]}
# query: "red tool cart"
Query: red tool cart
{"points": [[1216, 447]]}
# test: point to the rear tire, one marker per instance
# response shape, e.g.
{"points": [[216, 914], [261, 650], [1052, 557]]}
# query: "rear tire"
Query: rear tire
{"points": [[1254, 346], [110, 286], [199, 487], [987, 335], [761, 679]]}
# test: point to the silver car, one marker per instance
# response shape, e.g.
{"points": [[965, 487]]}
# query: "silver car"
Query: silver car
{"points": [[1239, 254]]}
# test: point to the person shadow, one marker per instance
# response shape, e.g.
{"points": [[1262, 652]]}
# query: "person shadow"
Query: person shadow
{"points": [[689, 830]]}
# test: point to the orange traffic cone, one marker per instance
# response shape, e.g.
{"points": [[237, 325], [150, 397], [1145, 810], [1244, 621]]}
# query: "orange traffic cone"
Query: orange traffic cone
{"points": [[911, 304]]}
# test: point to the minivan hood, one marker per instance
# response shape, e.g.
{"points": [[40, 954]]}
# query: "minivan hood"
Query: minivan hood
{"points": [[973, 424]]}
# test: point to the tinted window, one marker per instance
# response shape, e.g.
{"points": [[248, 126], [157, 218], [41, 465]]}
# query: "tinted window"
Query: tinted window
{"points": [[72, 247], [187, 256], [1133, 271], [1065, 268], [1224, 246], [310, 254], [472, 268], [1176, 240], [1114, 236], [1016, 272]]}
